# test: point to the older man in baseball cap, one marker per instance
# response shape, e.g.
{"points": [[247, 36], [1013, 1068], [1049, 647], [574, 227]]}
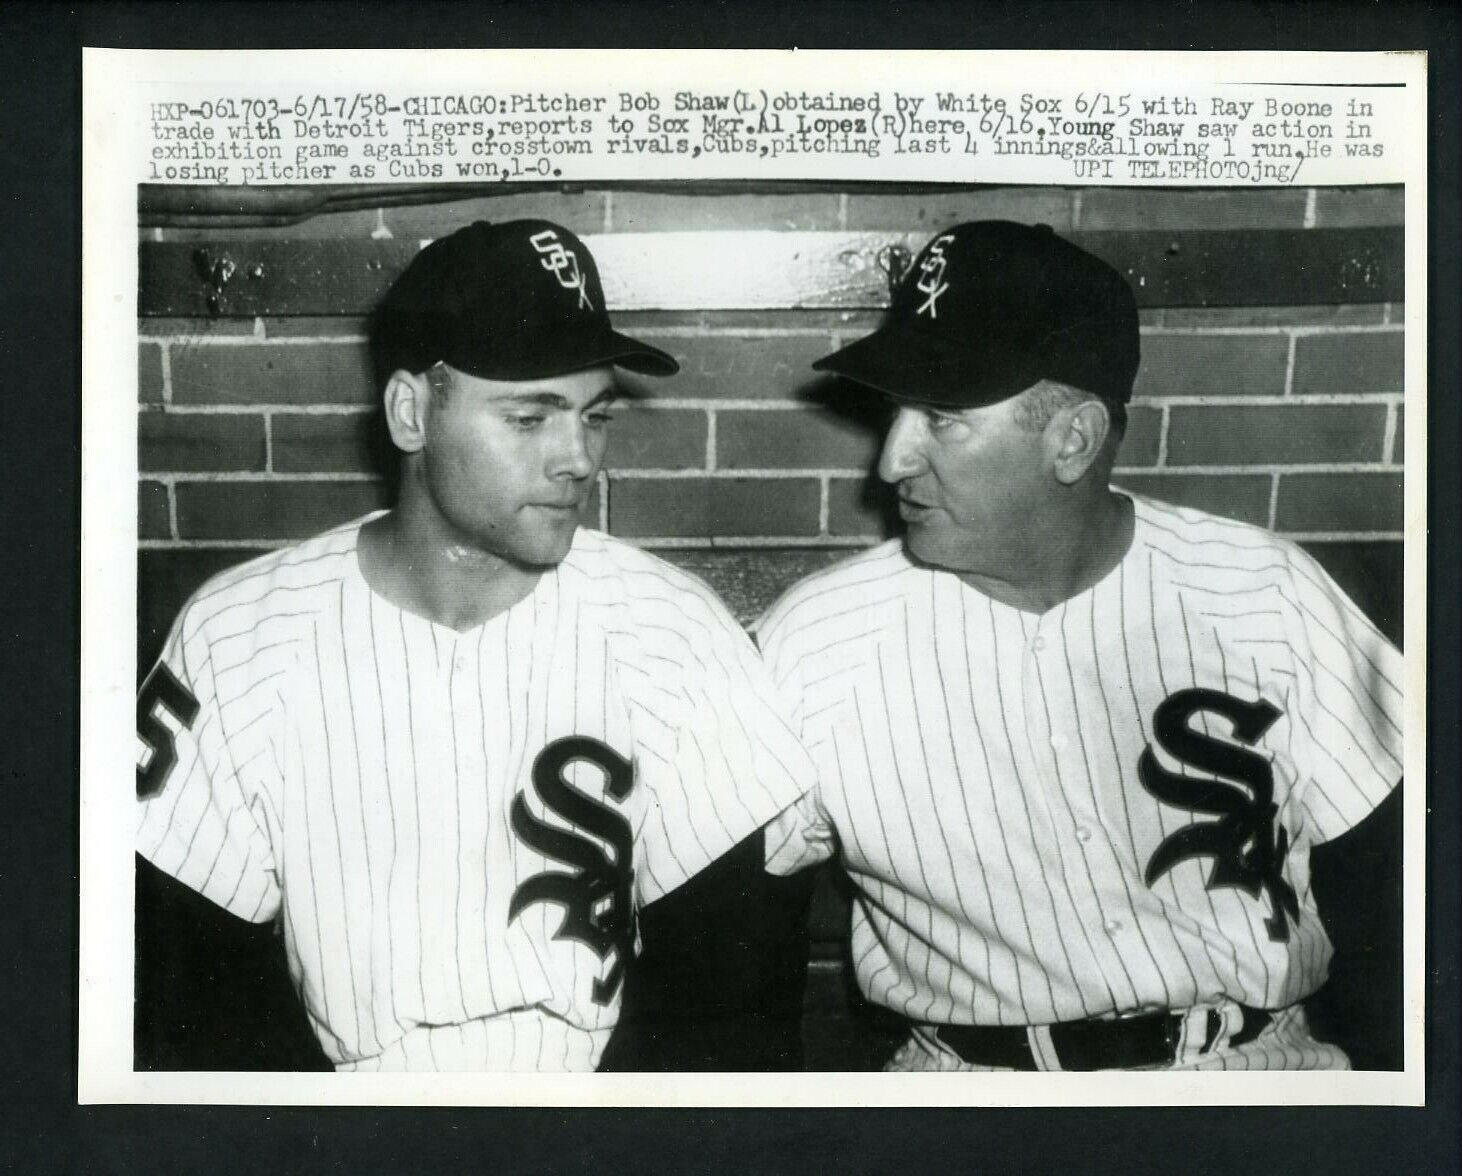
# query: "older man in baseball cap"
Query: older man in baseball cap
{"points": [[1074, 745], [455, 747]]}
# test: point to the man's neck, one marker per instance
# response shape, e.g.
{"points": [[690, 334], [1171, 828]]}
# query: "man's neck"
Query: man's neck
{"points": [[1069, 552], [411, 560]]}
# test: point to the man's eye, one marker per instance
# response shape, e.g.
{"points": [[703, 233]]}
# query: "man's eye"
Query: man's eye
{"points": [[526, 421], [938, 422], [598, 419]]}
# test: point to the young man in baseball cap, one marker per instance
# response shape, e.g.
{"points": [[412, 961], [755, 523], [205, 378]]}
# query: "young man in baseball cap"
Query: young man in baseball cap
{"points": [[1075, 745], [453, 748]]}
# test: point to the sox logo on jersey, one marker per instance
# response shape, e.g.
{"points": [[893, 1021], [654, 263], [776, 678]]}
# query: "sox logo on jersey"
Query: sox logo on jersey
{"points": [[1247, 848], [598, 908], [1104, 808], [456, 828]]}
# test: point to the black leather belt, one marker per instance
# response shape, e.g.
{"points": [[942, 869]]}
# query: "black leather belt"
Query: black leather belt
{"points": [[1144, 1039]]}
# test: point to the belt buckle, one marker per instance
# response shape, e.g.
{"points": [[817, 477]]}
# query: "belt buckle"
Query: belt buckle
{"points": [[1171, 1024]]}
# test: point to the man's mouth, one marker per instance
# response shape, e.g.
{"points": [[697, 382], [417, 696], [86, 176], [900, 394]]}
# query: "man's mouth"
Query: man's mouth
{"points": [[912, 509], [558, 507]]}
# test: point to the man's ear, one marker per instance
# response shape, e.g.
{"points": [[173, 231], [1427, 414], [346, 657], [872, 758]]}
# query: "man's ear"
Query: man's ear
{"points": [[406, 402], [1077, 437]]}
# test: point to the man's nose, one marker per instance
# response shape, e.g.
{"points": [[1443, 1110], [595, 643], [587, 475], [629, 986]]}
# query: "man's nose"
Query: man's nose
{"points": [[903, 453], [576, 454]]}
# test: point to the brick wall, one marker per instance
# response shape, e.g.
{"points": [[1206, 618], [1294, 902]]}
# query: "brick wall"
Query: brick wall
{"points": [[257, 430]]}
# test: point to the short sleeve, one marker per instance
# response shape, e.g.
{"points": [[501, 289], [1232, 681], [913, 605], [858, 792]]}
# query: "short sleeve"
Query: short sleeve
{"points": [[735, 762], [203, 814], [1351, 703]]}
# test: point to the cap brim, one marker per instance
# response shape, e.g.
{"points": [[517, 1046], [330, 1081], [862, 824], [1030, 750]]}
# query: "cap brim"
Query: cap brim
{"points": [[640, 357], [569, 355], [908, 366]]}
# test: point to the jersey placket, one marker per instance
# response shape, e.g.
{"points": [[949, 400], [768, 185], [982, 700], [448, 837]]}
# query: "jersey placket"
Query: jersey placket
{"points": [[440, 833], [1073, 824], [473, 820]]}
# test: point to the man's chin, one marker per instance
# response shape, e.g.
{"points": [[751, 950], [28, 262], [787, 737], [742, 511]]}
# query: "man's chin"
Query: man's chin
{"points": [[924, 548], [546, 551]]}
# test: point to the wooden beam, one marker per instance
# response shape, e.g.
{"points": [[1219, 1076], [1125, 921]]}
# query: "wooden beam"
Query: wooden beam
{"points": [[767, 270]]}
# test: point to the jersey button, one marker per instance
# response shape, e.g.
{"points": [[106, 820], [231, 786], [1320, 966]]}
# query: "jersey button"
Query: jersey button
{"points": [[1039, 643], [1084, 834], [1113, 926]]}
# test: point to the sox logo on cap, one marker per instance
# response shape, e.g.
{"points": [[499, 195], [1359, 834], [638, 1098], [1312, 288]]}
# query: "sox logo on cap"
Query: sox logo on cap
{"points": [[563, 263], [931, 275]]}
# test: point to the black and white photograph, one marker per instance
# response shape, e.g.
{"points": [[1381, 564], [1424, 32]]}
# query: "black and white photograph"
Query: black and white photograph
{"points": [[746, 586]]}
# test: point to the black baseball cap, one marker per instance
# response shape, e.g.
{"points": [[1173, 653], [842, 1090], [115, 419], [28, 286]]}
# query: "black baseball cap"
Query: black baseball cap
{"points": [[520, 300], [989, 308]]}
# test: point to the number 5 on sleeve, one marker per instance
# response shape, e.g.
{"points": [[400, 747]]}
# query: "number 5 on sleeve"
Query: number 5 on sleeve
{"points": [[160, 688]]}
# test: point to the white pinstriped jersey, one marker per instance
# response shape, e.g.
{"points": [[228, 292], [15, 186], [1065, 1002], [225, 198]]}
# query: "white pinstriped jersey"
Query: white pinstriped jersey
{"points": [[456, 827], [1101, 808]]}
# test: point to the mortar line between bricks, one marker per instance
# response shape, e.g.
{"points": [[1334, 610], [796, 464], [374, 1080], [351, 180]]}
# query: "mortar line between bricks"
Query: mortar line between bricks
{"points": [[1273, 400], [823, 503], [1311, 199], [1273, 501], [256, 409], [253, 340], [710, 438], [185, 339], [166, 364], [258, 476], [1270, 467], [1388, 436], [1289, 358], [1288, 329], [268, 441], [1162, 436], [172, 511]]}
